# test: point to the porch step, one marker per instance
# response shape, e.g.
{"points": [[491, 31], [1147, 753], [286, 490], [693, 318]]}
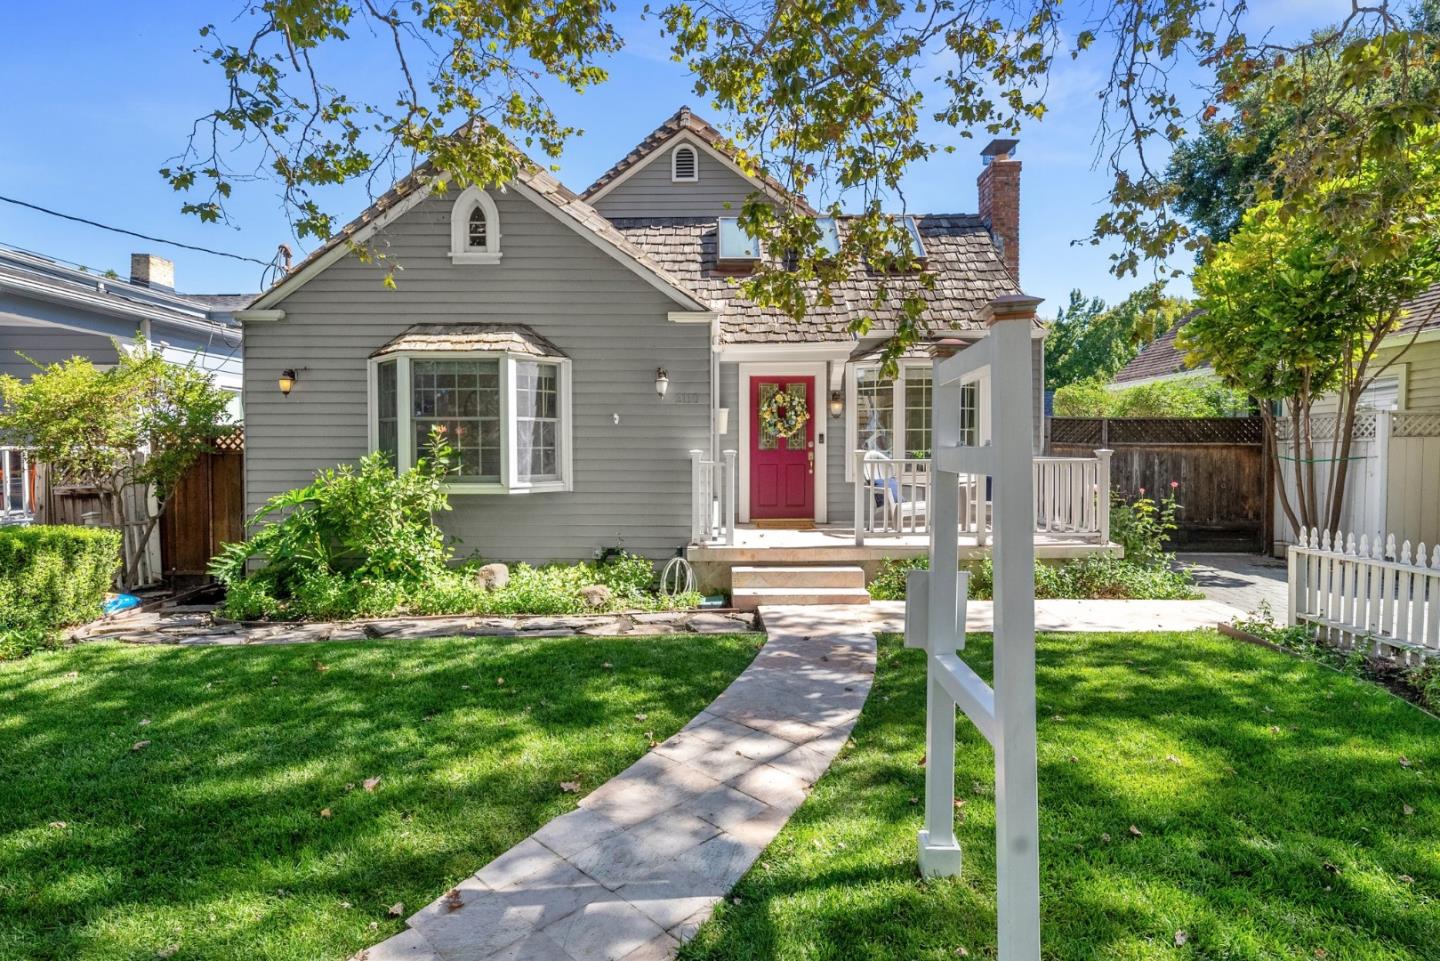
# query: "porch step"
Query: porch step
{"points": [[847, 577], [750, 598], [752, 586]]}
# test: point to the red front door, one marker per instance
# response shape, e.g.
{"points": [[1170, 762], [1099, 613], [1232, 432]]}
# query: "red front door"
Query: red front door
{"points": [[782, 469]]}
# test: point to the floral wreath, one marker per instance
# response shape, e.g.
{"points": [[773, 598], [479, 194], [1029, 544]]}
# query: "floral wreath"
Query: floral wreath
{"points": [[784, 414]]}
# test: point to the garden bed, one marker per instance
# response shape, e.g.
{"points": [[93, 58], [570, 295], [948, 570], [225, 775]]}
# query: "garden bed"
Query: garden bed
{"points": [[198, 628]]}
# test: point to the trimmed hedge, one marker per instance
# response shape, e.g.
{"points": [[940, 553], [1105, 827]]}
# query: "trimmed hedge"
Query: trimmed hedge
{"points": [[51, 577]]}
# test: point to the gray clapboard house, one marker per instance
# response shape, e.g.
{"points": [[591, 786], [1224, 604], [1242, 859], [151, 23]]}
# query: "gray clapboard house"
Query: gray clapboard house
{"points": [[51, 311], [593, 360]]}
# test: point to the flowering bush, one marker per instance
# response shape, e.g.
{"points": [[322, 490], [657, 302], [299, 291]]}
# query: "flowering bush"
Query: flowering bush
{"points": [[1143, 526]]}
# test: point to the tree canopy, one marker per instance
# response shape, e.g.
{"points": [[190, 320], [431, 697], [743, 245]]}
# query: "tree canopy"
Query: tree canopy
{"points": [[830, 98], [1090, 341]]}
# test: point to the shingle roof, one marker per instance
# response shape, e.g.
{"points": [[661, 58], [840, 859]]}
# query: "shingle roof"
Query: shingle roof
{"points": [[685, 121], [1160, 358], [515, 338], [959, 252], [1422, 313]]}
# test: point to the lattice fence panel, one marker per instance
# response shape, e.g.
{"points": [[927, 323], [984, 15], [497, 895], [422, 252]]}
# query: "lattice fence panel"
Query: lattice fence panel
{"points": [[1417, 425], [1156, 430], [233, 442], [1077, 430]]}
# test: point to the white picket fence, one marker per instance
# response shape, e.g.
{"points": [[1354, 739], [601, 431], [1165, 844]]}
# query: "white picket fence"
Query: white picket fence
{"points": [[1363, 593]]}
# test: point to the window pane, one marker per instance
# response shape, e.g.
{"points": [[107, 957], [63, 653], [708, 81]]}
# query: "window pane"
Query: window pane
{"points": [[917, 412], [477, 228], [970, 415], [875, 412], [463, 398], [387, 410], [537, 421], [735, 243]]}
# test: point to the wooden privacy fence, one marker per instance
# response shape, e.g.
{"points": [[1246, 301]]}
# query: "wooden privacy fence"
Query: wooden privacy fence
{"points": [[1364, 593], [94, 506], [208, 509], [1219, 462]]}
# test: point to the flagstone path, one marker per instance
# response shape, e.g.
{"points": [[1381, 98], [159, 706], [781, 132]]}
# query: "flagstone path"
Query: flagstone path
{"points": [[640, 864]]}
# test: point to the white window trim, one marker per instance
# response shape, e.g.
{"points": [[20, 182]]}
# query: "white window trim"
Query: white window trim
{"points": [[674, 174], [510, 482], [460, 250], [852, 406]]}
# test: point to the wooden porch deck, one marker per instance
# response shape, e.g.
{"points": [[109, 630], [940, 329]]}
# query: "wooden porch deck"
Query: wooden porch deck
{"points": [[834, 544]]}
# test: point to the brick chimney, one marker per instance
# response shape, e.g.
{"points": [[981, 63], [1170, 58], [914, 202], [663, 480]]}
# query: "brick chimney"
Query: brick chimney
{"points": [[148, 270], [999, 189]]}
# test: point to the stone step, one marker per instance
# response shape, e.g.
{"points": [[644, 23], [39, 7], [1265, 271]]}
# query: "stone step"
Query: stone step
{"points": [[750, 598], [744, 577]]}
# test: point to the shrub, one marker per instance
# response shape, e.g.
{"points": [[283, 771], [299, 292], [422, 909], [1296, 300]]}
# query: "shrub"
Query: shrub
{"points": [[1143, 526], [1197, 396], [52, 577], [1099, 576]]}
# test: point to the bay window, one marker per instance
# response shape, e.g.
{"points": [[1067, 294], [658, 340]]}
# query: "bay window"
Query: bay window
{"points": [[505, 415]]}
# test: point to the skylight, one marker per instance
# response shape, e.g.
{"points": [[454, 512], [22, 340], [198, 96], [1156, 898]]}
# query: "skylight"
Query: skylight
{"points": [[917, 246], [829, 235], [735, 243]]}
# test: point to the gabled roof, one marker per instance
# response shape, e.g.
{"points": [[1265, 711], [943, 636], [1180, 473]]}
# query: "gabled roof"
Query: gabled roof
{"points": [[968, 273], [531, 180], [685, 121], [1160, 358]]}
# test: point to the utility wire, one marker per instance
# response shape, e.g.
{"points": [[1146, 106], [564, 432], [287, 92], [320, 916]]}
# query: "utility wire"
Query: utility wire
{"points": [[131, 233]]}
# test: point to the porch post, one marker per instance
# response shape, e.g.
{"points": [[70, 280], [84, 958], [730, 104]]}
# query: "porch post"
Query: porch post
{"points": [[859, 475], [730, 456], [697, 532], [1102, 500]]}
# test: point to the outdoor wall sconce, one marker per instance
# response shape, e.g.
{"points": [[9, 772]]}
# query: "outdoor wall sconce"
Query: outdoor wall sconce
{"points": [[837, 404], [662, 382], [287, 380]]}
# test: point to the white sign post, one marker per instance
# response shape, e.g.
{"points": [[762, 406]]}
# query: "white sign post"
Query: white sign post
{"points": [[935, 620]]}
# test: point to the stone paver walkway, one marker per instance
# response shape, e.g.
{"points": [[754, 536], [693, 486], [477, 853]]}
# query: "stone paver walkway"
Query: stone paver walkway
{"points": [[1240, 580], [639, 865]]}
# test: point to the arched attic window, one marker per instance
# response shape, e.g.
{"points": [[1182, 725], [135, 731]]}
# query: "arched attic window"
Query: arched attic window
{"points": [[474, 228], [684, 164]]}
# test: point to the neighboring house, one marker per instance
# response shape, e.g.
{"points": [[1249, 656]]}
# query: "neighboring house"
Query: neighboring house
{"points": [[50, 312], [1393, 485], [1160, 360], [578, 348]]}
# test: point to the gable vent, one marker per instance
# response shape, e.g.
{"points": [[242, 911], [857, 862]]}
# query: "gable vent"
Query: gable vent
{"points": [[684, 164]]}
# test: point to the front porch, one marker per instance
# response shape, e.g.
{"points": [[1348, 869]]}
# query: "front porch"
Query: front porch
{"points": [[835, 544]]}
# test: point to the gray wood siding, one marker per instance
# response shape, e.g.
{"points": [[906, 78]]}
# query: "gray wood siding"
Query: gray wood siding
{"points": [[649, 192], [48, 345], [632, 479]]}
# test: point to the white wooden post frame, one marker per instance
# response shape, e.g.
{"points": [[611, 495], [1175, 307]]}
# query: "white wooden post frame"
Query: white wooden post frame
{"points": [[935, 622]]}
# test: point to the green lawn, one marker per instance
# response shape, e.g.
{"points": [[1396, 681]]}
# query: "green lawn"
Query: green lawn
{"points": [[210, 841], [1269, 795]]}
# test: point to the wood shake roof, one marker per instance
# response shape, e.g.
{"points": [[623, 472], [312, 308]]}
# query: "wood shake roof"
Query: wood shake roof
{"points": [[959, 252]]}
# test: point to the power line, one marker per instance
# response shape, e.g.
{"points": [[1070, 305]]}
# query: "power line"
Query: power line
{"points": [[131, 233]]}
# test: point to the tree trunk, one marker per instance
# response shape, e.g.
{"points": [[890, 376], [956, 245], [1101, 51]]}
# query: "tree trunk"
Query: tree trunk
{"points": [[1272, 450]]}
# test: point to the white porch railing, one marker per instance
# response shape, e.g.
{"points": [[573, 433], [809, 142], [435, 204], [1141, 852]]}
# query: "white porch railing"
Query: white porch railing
{"points": [[892, 497], [1365, 593], [712, 498], [17, 496]]}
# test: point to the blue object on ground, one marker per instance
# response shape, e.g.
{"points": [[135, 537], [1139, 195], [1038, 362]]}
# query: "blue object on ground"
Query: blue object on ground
{"points": [[116, 603], [715, 600]]}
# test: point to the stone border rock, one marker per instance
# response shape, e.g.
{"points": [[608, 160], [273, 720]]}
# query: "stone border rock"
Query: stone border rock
{"points": [[195, 628]]}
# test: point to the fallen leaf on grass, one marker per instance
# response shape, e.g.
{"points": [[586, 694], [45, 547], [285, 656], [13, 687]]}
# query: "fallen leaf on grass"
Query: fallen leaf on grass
{"points": [[914, 800], [1074, 759], [1407, 879], [169, 951], [1180, 938], [1321, 953], [499, 682], [1058, 717], [453, 901], [144, 721], [322, 668], [641, 717], [72, 674], [1136, 832], [1407, 810], [1105, 837], [324, 812], [370, 783], [58, 825], [139, 746], [962, 952], [1331, 868], [1274, 729], [570, 787], [1404, 761], [396, 909], [608, 666], [1172, 759]]}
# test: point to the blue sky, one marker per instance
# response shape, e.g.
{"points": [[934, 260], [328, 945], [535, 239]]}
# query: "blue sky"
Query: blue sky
{"points": [[100, 98]]}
